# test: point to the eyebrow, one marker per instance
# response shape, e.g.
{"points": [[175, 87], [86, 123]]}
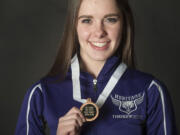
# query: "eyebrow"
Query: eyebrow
{"points": [[85, 16], [108, 15], [113, 14]]}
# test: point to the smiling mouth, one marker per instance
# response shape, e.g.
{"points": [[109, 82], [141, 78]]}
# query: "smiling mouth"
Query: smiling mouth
{"points": [[100, 44]]}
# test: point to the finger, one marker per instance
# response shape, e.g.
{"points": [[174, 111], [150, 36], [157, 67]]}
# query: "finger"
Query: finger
{"points": [[76, 110], [71, 122], [73, 110], [72, 117]]}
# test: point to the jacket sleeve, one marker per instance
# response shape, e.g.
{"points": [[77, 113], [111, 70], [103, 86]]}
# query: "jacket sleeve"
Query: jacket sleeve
{"points": [[160, 115], [30, 121]]}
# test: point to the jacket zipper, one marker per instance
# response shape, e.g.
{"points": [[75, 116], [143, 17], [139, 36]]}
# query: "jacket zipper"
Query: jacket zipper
{"points": [[95, 90], [95, 84]]}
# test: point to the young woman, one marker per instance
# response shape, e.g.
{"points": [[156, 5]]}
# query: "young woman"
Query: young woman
{"points": [[95, 68]]}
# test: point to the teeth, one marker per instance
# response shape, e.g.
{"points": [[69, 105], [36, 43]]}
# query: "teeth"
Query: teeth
{"points": [[99, 44]]}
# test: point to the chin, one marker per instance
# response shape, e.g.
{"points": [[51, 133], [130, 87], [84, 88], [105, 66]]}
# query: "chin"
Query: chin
{"points": [[100, 57]]}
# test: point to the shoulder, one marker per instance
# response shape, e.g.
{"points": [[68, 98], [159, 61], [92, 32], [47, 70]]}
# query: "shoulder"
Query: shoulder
{"points": [[52, 83], [139, 79], [38, 90], [33, 93], [35, 88]]}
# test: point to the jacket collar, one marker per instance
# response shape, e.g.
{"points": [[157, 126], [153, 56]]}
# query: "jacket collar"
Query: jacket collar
{"points": [[107, 70]]}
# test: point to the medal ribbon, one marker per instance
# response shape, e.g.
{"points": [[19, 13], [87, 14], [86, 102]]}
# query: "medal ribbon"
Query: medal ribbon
{"points": [[108, 88]]}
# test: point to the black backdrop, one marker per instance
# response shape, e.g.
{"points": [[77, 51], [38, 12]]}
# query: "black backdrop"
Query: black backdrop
{"points": [[30, 31]]}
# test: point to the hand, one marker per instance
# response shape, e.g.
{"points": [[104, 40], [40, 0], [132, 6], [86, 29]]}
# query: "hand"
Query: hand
{"points": [[70, 123]]}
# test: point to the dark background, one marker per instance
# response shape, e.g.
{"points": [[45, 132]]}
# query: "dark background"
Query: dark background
{"points": [[30, 31]]}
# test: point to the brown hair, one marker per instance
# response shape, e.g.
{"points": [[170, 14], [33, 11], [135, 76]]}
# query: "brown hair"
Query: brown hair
{"points": [[69, 44]]}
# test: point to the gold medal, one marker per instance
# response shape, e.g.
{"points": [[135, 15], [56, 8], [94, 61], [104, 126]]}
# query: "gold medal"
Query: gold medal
{"points": [[89, 110]]}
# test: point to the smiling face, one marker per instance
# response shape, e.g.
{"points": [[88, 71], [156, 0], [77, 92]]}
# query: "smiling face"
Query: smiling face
{"points": [[99, 29]]}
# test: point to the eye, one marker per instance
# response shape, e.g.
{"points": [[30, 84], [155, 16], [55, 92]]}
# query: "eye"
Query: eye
{"points": [[111, 19], [86, 20]]}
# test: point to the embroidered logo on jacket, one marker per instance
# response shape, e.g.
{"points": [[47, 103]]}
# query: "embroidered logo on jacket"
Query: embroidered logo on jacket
{"points": [[127, 104]]}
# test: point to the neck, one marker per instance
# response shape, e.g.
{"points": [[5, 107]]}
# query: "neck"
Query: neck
{"points": [[92, 66]]}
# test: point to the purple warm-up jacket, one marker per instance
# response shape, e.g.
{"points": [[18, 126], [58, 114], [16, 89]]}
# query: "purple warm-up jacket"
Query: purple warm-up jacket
{"points": [[138, 105]]}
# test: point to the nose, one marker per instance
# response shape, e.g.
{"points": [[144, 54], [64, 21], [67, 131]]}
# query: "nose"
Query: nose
{"points": [[99, 30]]}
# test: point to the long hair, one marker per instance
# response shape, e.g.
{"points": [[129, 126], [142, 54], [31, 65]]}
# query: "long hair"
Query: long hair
{"points": [[69, 44]]}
